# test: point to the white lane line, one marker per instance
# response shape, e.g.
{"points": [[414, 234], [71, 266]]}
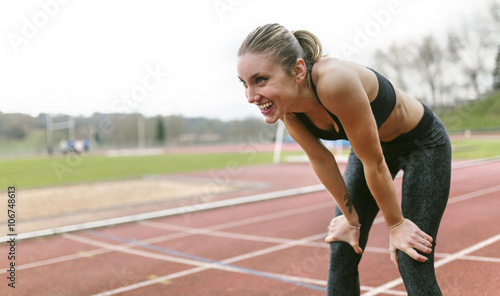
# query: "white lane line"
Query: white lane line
{"points": [[171, 212], [163, 238], [201, 207], [222, 226], [130, 250], [275, 215], [202, 265], [239, 223], [275, 248], [276, 240], [286, 244], [436, 255], [380, 220], [468, 250], [231, 235], [474, 194], [474, 162], [256, 220], [97, 251], [464, 176], [250, 255], [59, 259], [389, 285], [480, 258], [323, 283]]}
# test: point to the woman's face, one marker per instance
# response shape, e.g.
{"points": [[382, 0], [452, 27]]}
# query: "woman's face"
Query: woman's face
{"points": [[266, 85]]}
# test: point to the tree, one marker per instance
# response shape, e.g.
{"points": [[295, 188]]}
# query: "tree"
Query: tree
{"points": [[495, 13], [15, 126], [468, 49], [496, 73], [429, 61], [395, 60], [160, 130]]}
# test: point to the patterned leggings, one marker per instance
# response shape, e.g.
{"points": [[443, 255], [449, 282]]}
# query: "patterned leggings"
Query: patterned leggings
{"points": [[426, 162]]}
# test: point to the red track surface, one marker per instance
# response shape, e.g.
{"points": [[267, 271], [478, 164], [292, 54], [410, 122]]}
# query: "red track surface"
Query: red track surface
{"points": [[271, 247]]}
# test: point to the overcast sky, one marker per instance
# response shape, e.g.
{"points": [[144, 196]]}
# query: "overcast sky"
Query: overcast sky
{"points": [[179, 57]]}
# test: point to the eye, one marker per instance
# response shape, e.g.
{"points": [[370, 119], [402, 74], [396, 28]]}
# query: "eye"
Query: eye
{"points": [[259, 80], [243, 82]]}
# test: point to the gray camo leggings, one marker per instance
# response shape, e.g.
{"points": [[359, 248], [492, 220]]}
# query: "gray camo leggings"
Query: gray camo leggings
{"points": [[426, 162]]}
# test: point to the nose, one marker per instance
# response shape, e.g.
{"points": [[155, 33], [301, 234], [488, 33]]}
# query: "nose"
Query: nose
{"points": [[251, 95]]}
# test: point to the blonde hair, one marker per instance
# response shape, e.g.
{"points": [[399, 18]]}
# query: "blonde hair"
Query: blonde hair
{"points": [[283, 46]]}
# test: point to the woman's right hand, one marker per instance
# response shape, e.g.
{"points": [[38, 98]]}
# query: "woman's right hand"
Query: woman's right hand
{"points": [[339, 230], [408, 238]]}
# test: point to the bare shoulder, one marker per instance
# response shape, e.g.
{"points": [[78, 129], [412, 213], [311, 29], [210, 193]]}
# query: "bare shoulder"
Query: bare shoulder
{"points": [[335, 79]]}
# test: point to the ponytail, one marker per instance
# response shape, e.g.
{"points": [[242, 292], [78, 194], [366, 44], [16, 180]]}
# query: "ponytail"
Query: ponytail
{"points": [[283, 46], [311, 47]]}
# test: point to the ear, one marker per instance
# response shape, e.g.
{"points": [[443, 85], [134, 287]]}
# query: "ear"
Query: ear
{"points": [[300, 70]]}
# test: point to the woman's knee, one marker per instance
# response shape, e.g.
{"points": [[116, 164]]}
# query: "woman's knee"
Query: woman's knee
{"points": [[343, 256], [419, 278]]}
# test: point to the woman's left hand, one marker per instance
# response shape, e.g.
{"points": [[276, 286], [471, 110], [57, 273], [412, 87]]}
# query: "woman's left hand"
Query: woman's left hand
{"points": [[339, 230], [408, 238]]}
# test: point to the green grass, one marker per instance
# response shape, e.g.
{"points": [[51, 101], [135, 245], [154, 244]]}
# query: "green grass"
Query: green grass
{"points": [[478, 115], [43, 171], [34, 143], [474, 149]]}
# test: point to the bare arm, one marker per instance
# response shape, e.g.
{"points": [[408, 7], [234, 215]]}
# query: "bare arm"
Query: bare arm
{"points": [[348, 100], [345, 95], [324, 165]]}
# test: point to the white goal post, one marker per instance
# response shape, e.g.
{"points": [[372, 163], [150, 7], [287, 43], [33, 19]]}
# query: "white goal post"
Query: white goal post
{"points": [[54, 126], [337, 147]]}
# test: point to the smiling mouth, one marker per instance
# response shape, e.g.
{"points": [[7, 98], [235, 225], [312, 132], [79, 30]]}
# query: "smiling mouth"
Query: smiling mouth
{"points": [[266, 106]]}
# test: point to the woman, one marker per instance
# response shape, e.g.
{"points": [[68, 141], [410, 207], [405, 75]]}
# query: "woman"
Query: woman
{"points": [[288, 79]]}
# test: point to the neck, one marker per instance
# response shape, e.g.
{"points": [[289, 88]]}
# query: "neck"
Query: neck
{"points": [[306, 100]]}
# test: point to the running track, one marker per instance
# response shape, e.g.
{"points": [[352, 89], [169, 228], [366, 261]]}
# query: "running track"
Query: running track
{"points": [[270, 247]]}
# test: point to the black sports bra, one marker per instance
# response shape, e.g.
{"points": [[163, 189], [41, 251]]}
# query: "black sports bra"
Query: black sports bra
{"points": [[382, 107]]}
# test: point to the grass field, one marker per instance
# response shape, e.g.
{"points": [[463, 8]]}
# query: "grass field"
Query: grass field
{"points": [[474, 149], [43, 171], [480, 115]]}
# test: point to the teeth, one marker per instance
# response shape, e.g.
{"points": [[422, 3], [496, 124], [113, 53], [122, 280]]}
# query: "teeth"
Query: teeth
{"points": [[265, 106]]}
